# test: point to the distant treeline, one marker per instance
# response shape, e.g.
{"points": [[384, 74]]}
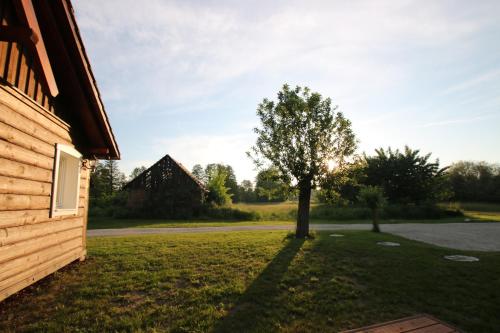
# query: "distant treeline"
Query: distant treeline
{"points": [[268, 186], [406, 177], [474, 181]]}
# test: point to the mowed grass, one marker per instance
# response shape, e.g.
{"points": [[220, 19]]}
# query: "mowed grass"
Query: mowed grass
{"points": [[257, 282], [283, 213], [479, 206], [112, 223], [480, 211], [271, 207], [473, 212]]}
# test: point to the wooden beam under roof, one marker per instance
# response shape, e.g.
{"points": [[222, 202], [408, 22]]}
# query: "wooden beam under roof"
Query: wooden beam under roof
{"points": [[26, 13]]}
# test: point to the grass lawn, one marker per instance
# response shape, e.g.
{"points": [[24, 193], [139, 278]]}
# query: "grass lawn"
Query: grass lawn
{"points": [[479, 206], [479, 210], [269, 207], [283, 214], [257, 282], [111, 223], [474, 211]]}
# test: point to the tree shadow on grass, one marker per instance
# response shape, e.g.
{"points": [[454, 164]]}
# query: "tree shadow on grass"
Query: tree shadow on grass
{"points": [[262, 296]]}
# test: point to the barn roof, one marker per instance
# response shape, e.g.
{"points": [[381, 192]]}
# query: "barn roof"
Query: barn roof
{"points": [[140, 177]]}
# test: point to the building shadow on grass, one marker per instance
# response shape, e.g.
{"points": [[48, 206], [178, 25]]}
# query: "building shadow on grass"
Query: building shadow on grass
{"points": [[262, 296]]}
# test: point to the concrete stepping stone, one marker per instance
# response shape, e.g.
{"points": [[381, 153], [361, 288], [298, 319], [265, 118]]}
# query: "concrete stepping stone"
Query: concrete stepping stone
{"points": [[336, 235], [461, 258], [388, 244]]}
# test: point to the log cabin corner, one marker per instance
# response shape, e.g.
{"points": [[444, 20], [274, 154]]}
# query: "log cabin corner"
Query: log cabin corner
{"points": [[53, 127]]}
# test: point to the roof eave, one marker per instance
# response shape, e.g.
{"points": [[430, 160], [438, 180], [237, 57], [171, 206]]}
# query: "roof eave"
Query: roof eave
{"points": [[88, 79]]}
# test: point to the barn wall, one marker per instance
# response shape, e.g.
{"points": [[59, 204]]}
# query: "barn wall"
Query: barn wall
{"points": [[33, 245], [165, 190]]}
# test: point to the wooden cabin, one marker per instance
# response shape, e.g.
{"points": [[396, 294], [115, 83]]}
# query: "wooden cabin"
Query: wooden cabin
{"points": [[165, 190], [52, 128]]}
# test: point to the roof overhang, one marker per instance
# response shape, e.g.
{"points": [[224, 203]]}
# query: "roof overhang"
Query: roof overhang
{"points": [[30, 35], [72, 70], [88, 79]]}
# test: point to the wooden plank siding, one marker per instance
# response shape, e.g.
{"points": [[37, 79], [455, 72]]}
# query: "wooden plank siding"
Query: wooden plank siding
{"points": [[17, 66], [41, 271], [12, 218], [32, 244], [422, 323], [40, 50]]}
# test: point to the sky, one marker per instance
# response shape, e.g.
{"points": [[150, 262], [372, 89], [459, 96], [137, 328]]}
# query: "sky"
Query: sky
{"points": [[185, 77]]}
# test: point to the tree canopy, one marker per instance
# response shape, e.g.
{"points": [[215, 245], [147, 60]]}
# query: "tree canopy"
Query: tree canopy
{"points": [[246, 191], [106, 179], [218, 192], [475, 181], [137, 171], [269, 187], [341, 186], [406, 176], [212, 169], [199, 173], [301, 134]]}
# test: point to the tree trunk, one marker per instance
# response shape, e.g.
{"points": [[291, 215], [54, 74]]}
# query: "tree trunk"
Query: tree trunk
{"points": [[303, 213], [375, 220]]}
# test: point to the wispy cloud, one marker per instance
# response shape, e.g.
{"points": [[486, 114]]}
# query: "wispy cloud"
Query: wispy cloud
{"points": [[187, 75], [462, 120], [473, 82], [172, 52]]}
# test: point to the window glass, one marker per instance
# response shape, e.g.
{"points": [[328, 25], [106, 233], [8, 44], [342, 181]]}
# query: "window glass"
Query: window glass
{"points": [[67, 181]]}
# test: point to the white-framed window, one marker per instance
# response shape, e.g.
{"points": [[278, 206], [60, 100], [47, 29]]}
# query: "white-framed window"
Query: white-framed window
{"points": [[66, 184]]}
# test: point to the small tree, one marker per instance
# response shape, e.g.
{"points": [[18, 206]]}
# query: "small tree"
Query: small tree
{"points": [[106, 179], [218, 192], [373, 198], [300, 135], [269, 187], [246, 191], [230, 180], [116, 178], [137, 171], [105, 183], [199, 173]]}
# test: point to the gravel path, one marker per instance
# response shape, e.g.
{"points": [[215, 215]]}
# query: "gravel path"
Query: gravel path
{"points": [[461, 236]]}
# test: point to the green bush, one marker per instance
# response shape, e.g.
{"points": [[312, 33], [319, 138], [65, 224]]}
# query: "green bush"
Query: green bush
{"points": [[417, 212], [331, 212], [409, 212], [109, 206], [228, 213]]}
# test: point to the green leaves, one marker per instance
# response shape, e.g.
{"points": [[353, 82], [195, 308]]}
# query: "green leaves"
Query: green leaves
{"points": [[218, 192], [269, 187], [372, 197], [300, 133], [406, 177]]}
